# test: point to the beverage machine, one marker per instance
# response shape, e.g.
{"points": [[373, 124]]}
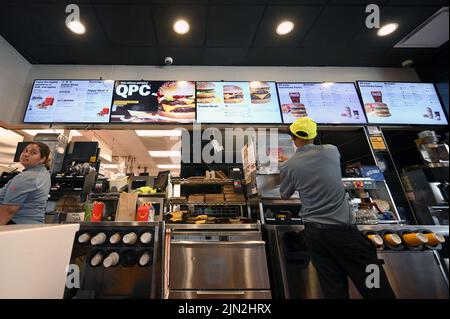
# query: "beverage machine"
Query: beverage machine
{"points": [[427, 185]]}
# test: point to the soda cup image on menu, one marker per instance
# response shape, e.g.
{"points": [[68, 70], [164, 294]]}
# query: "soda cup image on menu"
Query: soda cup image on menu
{"points": [[378, 108], [295, 97]]}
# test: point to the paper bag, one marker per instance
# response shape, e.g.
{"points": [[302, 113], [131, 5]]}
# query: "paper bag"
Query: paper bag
{"points": [[126, 208]]}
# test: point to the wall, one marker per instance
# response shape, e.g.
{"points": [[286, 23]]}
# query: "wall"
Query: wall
{"points": [[14, 71], [196, 73]]}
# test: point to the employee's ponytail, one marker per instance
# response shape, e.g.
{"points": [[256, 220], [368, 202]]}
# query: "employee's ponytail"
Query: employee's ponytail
{"points": [[45, 152]]}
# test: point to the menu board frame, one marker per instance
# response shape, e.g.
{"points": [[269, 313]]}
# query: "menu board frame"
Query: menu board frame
{"points": [[323, 123], [31, 93], [240, 123], [403, 124]]}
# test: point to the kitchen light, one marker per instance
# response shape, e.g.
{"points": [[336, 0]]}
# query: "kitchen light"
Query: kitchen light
{"points": [[111, 166], [165, 153], [285, 27], [76, 27], [34, 132], [181, 26], [387, 29], [75, 133], [158, 133], [169, 166], [105, 156], [8, 133]]}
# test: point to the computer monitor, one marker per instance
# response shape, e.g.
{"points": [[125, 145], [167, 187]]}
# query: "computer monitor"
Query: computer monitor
{"points": [[161, 180], [20, 147], [84, 152]]}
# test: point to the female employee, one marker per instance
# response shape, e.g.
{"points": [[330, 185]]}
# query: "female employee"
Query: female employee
{"points": [[24, 198]]}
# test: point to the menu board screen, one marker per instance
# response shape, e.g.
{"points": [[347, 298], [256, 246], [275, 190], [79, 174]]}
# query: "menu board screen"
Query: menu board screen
{"points": [[237, 102], [153, 101], [322, 102], [401, 103], [70, 101]]}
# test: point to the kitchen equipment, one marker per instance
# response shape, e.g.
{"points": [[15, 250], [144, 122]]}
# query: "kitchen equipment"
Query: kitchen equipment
{"points": [[226, 261]]}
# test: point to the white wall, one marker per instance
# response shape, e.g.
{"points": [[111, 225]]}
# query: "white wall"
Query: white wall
{"points": [[14, 71], [196, 73]]}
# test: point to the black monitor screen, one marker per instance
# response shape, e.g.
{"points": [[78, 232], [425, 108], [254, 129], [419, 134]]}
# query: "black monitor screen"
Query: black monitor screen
{"points": [[84, 151], [20, 147], [138, 183], [161, 180]]}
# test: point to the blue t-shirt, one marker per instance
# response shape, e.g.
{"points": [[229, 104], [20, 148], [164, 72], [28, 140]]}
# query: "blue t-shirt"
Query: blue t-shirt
{"points": [[29, 190]]}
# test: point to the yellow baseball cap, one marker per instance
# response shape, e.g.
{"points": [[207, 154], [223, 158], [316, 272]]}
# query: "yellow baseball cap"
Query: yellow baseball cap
{"points": [[304, 128]]}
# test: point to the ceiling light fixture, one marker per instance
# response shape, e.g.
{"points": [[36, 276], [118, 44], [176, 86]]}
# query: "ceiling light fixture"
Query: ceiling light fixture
{"points": [[34, 132], [110, 166], [76, 27], [165, 153], [387, 29], [169, 166], [158, 133], [285, 27], [181, 27]]}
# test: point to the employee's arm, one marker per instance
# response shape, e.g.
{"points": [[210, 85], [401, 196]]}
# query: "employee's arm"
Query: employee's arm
{"points": [[7, 212], [287, 187]]}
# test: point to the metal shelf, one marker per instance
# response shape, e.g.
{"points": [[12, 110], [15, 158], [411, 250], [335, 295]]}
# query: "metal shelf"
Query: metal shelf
{"points": [[216, 181], [173, 201]]}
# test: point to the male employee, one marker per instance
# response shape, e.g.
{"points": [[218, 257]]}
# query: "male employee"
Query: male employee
{"points": [[337, 249]]}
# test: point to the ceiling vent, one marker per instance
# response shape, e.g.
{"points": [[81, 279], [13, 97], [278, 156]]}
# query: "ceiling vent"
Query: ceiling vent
{"points": [[430, 34]]}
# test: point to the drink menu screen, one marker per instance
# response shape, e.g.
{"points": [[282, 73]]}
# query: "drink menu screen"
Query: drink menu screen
{"points": [[322, 102], [402, 103], [237, 102], [67, 101]]}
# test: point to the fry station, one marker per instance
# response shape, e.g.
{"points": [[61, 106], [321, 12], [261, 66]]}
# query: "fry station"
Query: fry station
{"points": [[167, 182]]}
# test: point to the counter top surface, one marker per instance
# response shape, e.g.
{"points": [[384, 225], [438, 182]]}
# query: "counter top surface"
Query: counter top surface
{"points": [[25, 227]]}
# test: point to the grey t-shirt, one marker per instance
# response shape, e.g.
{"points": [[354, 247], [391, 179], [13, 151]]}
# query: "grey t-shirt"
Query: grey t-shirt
{"points": [[315, 172], [29, 190]]}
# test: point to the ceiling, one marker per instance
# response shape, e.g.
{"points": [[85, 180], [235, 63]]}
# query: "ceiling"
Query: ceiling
{"points": [[223, 32]]}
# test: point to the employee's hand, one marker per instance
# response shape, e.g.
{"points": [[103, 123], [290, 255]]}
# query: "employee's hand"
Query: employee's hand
{"points": [[282, 158]]}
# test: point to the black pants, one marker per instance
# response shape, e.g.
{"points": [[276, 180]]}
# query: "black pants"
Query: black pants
{"points": [[339, 254]]}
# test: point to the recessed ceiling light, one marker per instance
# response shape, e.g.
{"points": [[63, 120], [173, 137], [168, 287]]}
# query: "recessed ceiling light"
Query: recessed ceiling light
{"points": [[181, 26], [76, 27], [169, 166], [158, 133], [165, 153], [387, 29], [285, 27]]}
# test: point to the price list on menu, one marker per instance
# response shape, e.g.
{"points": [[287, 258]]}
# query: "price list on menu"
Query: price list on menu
{"points": [[323, 102], [70, 101], [402, 103]]}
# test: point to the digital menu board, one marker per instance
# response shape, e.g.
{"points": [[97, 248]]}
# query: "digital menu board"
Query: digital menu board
{"points": [[401, 103], [153, 101], [322, 102], [237, 102], [69, 101]]}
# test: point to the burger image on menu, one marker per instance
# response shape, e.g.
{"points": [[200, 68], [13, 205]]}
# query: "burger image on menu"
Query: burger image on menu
{"points": [[205, 92], [259, 92], [232, 94], [298, 110], [378, 108], [177, 100]]}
